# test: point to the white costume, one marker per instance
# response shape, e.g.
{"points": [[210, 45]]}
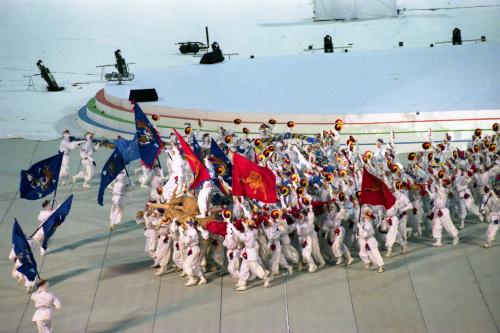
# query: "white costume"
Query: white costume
{"points": [[86, 152], [66, 147], [44, 302]]}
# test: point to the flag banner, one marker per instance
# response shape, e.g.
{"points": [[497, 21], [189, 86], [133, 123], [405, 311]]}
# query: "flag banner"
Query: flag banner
{"points": [[111, 169], [148, 139], [375, 192], [55, 220], [222, 165], [128, 148], [252, 180], [41, 178], [23, 252], [200, 172], [196, 148]]}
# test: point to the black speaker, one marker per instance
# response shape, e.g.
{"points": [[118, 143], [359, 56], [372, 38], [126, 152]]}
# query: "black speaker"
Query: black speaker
{"points": [[143, 95]]}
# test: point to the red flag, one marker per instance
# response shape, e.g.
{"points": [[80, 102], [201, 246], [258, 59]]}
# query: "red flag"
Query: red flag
{"points": [[253, 181], [375, 192], [200, 172]]}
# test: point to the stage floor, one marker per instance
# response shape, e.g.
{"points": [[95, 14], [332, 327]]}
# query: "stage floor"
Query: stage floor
{"points": [[105, 284]]}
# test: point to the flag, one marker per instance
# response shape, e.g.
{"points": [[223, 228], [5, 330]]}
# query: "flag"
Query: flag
{"points": [[41, 179], [114, 165], [196, 148], [222, 165], [55, 220], [253, 180], [149, 140], [375, 192], [128, 148], [23, 252], [200, 172]]}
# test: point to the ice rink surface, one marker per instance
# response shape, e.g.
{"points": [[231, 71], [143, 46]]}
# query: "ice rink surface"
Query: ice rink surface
{"points": [[105, 284]]}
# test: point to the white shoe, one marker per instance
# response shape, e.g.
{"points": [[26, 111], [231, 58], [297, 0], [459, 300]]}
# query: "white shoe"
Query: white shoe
{"points": [[290, 270], [160, 271], [112, 227], [487, 245], [404, 248], [437, 243], [461, 226], [349, 260], [202, 281], [367, 266], [481, 218], [339, 261], [313, 268], [241, 288], [389, 252], [74, 179], [456, 240], [321, 264], [191, 282], [155, 265], [380, 269], [43, 252], [183, 274]]}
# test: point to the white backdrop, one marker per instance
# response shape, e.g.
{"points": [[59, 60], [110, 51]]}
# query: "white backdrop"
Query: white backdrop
{"points": [[353, 9]]}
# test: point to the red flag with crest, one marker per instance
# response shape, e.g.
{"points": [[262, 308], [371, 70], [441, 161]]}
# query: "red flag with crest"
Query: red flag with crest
{"points": [[200, 172], [252, 180], [375, 192]]}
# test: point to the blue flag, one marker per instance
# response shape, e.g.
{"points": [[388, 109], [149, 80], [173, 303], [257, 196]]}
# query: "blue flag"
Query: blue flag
{"points": [[114, 165], [41, 179], [128, 148], [23, 252], [55, 220], [149, 140], [197, 148], [222, 164]]}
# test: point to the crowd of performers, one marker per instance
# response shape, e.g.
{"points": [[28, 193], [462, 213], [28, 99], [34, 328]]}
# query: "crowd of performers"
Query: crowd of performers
{"points": [[317, 218]]}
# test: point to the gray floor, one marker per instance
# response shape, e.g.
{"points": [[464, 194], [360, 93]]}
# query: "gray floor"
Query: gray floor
{"points": [[105, 284]]}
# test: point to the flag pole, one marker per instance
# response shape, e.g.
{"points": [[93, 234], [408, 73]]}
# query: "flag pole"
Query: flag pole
{"points": [[54, 199]]}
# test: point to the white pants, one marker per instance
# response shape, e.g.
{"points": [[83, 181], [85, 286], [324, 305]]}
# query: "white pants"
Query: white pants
{"points": [[233, 263], [306, 244], [177, 254], [64, 172], [277, 260], [444, 221], [204, 200], [116, 214], [339, 248], [44, 326], [393, 234], [316, 252], [163, 252], [493, 226], [248, 267], [467, 205], [87, 171], [191, 263], [368, 252]]}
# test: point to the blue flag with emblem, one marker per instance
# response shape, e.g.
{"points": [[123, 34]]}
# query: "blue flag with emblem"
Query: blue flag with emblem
{"points": [[222, 165], [197, 148], [55, 220], [114, 165], [23, 252], [148, 139], [41, 178], [128, 148]]}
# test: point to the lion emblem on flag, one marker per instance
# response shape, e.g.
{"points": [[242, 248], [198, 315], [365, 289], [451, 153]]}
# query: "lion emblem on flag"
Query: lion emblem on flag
{"points": [[256, 183]]}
